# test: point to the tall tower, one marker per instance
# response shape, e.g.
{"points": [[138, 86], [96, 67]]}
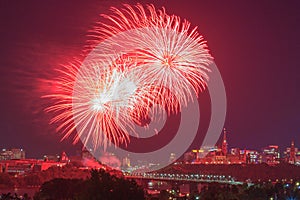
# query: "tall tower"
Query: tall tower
{"points": [[224, 143], [292, 154]]}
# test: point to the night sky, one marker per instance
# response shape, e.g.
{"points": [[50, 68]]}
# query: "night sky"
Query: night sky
{"points": [[255, 44]]}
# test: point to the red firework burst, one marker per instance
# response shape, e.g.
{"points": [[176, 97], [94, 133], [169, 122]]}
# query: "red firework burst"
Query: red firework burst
{"points": [[164, 62]]}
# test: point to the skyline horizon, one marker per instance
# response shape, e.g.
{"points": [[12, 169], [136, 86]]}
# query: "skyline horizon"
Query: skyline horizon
{"points": [[218, 144], [255, 45]]}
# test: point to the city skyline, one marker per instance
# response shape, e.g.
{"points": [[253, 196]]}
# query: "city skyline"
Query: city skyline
{"points": [[255, 46], [221, 145]]}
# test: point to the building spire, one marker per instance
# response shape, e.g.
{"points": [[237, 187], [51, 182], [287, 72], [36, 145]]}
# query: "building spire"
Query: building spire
{"points": [[292, 153], [224, 143]]}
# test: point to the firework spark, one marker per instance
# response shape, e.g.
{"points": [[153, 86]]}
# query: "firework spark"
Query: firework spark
{"points": [[164, 62], [98, 101], [170, 53]]}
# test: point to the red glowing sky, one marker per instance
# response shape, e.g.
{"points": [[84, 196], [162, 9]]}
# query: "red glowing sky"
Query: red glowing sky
{"points": [[255, 44]]}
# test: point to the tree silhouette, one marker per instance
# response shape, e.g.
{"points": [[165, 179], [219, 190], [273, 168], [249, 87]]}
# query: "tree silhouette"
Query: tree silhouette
{"points": [[100, 186]]}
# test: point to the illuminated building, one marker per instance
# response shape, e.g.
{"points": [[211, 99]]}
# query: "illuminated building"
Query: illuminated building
{"points": [[27, 165], [298, 158], [270, 154], [126, 162], [13, 161], [235, 151], [252, 157], [18, 154], [203, 152], [12, 154], [5, 154], [215, 154], [292, 154], [221, 155], [209, 155], [203, 155], [292, 158], [238, 156]]}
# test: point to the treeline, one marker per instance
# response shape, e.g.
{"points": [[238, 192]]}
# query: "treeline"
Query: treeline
{"points": [[263, 191], [100, 185], [69, 182], [34, 179], [103, 186]]}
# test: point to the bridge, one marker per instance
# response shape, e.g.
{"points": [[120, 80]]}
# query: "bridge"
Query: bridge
{"points": [[196, 178]]}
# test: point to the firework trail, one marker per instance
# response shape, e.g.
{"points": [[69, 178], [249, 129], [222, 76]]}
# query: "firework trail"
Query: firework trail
{"points": [[165, 61], [99, 102], [168, 51]]}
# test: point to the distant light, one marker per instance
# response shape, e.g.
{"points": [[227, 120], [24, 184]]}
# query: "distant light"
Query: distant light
{"points": [[150, 184]]}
